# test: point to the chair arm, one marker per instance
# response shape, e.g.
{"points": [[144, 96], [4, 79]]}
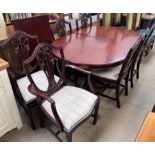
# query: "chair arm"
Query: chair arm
{"points": [[88, 73], [56, 47], [42, 95], [78, 69]]}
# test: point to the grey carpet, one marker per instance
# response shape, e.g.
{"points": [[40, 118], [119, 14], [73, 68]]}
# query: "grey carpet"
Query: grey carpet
{"points": [[114, 125]]}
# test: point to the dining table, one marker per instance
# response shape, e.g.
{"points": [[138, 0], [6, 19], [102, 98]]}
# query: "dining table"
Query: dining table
{"points": [[97, 47]]}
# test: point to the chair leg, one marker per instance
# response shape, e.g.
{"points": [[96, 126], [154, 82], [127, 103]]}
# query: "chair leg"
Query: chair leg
{"points": [[131, 77], [126, 84], [69, 137], [147, 50], [117, 96], [138, 66], [96, 114], [30, 116], [42, 117]]}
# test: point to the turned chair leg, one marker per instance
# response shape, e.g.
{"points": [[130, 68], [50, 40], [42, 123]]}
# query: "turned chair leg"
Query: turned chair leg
{"points": [[31, 119], [96, 114], [117, 96], [69, 137]]}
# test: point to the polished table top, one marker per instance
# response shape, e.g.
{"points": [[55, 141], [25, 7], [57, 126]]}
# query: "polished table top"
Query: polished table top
{"points": [[98, 47], [147, 131]]}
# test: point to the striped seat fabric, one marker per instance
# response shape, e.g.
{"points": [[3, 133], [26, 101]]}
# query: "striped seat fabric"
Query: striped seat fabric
{"points": [[143, 32], [73, 104], [112, 73], [40, 80]]}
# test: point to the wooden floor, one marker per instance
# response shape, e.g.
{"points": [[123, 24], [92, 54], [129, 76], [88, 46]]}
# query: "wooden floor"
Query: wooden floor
{"points": [[5, 31], [147, 132]]}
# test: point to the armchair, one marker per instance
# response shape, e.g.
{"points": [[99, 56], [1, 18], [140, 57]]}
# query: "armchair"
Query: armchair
{"points": [[59, 103], [18, 47]]}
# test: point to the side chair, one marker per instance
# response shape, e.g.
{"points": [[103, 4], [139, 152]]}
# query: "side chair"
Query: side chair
{"points": [[114, 77], [18, 47], [143, 51], [67, 107], [150, 38]]}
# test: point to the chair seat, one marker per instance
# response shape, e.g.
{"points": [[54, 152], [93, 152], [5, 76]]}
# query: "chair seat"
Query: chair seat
{"points": [[109, 74], [41, 81], [144, 32], [73, 105]]}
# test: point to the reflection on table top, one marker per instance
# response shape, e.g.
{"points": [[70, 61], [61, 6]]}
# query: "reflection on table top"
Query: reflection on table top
{"points": [[101, 47], [107, 32]]}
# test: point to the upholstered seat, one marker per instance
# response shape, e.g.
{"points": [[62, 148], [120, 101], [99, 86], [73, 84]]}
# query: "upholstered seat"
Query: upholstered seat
{"points": [[40, 80], [145, 32], [109, 74], [73, 105]]}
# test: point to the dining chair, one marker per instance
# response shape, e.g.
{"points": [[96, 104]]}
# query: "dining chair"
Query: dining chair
{"points": [[60, 30], [114, 77], [85, 21], [18, 47], [58, 102], [150, 38], [143, 51], [38, 25], [137, 61]]}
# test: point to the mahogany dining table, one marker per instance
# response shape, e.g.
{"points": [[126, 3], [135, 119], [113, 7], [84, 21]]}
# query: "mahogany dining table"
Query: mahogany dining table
{"points": [[97, 47]]}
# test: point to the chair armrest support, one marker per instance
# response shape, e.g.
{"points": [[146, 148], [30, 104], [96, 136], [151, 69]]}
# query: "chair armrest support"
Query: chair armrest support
{"points": [[78, 69], [43, 96]]}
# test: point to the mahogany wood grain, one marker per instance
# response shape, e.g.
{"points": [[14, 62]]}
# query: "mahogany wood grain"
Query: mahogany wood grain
{"points": [[108, 32], [98, 48], [147, 131]]}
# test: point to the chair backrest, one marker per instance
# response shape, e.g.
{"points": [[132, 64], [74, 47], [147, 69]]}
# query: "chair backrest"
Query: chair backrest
{"points": [[38, 25], [129, 60], [18, 47], [149, 34], [59, 29], [45, 60], [84, 19]]}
